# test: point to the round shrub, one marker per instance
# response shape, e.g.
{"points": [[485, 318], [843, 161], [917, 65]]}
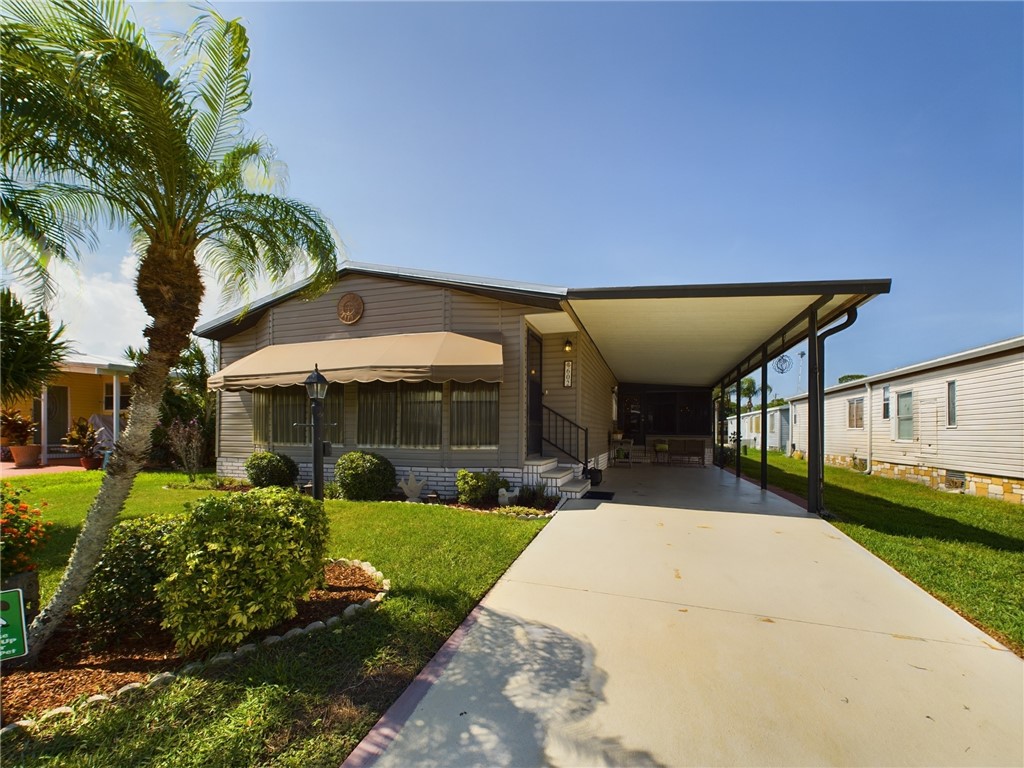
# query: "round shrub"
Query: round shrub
{"points": [[364, 476], [238, 562], [265, 469], [122, 591], [479, 489]]}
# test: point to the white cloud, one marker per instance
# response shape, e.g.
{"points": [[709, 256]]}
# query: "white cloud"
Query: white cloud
{"points": [[101, 311]]}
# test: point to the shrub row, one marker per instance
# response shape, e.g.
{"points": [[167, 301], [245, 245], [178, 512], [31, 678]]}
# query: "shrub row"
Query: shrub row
{"points": [[358, 476], [233, 564]]}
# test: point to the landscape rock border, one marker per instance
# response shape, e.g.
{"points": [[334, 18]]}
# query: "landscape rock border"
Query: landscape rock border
{"points": [[163, 679]]}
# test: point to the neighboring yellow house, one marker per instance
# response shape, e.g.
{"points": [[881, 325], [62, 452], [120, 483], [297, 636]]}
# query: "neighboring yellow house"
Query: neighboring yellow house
{"points": [[88, 387]]}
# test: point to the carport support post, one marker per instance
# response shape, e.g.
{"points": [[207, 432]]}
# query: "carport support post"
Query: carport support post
{"points": [[739, 430], [814, 395], [764, 417]]}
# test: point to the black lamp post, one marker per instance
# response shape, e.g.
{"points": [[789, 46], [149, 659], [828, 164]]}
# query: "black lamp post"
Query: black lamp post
{"points": [[316, 388]]}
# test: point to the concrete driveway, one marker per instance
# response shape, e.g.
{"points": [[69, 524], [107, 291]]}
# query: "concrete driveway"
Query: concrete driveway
{"points": [[695, 620]]}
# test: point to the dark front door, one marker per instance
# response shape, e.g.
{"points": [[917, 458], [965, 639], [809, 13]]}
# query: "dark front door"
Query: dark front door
{"points": [[534, 393], [58, 420]]}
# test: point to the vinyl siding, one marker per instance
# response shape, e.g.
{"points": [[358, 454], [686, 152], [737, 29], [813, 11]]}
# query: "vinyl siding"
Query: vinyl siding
{"points": [[989, 435], [840, 438], [988, 438], [596, 385], [390, 307], [234, 409], [798, 424]]}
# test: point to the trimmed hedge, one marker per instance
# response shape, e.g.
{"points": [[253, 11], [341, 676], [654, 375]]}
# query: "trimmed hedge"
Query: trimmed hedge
{"points": [[122, 591], [238, 562], [265, 469], [362, 476]]}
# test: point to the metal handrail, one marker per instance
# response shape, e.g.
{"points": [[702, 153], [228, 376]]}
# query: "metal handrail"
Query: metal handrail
{"points": [[564, 434]]}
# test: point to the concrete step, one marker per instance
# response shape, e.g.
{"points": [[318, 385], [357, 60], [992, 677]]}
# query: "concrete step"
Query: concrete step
{"points": [[574, 489], [556, 476]]}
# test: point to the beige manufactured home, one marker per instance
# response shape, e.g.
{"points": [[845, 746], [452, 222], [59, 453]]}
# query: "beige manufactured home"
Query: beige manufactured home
{"points": [[954, 422], [440, 372]]}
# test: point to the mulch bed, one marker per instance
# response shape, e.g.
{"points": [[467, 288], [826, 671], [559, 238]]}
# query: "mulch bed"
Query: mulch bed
{"points": [[69, 669]]}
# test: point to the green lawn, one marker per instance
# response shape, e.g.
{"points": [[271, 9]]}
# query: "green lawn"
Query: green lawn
{"points": [[307, 702], [965, 550]]}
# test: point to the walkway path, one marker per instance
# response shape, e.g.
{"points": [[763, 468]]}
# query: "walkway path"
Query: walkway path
{"points": [[695, 620], [9, 472]]}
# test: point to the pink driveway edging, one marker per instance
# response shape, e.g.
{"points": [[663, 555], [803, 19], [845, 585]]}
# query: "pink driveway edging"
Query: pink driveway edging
{"points": [[386, 729]]}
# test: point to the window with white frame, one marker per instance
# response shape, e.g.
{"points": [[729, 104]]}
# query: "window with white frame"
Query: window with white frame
{"points": [[905, 416], [885, 402], [855, 413], [950, 403], [108, 396]]}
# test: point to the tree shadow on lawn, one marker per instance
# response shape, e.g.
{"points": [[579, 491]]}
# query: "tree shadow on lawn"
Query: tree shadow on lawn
{"points": [[895, 519]]}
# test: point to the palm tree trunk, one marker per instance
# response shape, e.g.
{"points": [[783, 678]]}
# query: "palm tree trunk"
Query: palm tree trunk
{"points": [[171, 288]]}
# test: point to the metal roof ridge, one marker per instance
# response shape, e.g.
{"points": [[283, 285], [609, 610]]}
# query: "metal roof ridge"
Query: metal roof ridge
{"points": [[721, 290], [454, 277]]}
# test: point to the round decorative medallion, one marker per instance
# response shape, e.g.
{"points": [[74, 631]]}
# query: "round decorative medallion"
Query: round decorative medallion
{"points": [[350, 308]]}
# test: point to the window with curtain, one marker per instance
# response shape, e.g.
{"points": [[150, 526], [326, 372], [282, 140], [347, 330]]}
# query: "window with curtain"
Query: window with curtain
{"points": [[405, 414], [905, 416], [855, 413], [474, 415], [419, 414], [277, 410], [950, 403], [377, 424]]}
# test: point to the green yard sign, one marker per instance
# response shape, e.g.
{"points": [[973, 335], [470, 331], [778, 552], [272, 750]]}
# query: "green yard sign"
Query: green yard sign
{"points": [[12, 624]]}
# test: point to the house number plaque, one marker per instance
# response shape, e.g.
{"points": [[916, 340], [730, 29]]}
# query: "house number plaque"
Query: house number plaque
{"points": [[350, 308], [567, 374]]}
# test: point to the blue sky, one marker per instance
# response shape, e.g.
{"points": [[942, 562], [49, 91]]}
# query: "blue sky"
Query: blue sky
{"points": [[586, 144]]}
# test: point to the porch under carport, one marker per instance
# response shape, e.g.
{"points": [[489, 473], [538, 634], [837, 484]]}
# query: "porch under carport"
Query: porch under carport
{"points": [[712, 336]]}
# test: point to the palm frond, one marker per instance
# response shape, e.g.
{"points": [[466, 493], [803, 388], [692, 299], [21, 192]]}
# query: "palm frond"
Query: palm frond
{"points": [[253, 235], [218, 84]]}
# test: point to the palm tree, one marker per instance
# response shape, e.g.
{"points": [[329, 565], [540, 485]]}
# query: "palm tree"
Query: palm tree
{"points": [[97, 128], [31, 349]]}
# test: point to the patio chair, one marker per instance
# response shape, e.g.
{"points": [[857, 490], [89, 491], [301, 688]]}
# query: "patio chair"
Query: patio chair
{"points": [[622, 450]]}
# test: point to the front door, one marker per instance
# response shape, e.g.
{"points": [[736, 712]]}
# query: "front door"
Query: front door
{"points": [[58, 412], [534, 393]]}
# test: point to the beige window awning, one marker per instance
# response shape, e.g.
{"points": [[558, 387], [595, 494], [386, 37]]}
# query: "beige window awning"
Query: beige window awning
{"points": [[440, 356]]}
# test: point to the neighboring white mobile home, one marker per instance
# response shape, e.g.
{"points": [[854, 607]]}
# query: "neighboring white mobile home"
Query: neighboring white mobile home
{"points": [[752, 435], [955, 422]]}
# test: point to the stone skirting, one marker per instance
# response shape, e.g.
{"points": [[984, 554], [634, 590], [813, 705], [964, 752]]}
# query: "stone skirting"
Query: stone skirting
{"points": [[1004, 488], [439, 479]]}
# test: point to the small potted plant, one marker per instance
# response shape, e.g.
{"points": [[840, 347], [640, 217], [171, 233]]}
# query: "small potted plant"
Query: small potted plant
{"points": [[24, 532], [17, 431], [83, 438]]}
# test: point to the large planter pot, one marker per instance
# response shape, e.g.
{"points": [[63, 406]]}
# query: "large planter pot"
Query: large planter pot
{"points": [[26, 455], [28, 583], [91, 462]]}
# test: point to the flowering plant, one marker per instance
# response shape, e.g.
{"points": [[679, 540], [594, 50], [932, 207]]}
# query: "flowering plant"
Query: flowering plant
{"points": [[23, 531]]}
